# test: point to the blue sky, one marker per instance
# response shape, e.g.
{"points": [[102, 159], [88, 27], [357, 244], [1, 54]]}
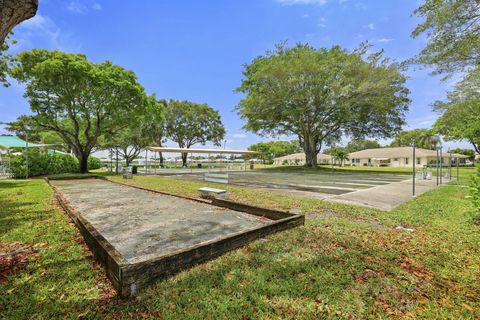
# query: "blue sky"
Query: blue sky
{"points": [[194, 50]]}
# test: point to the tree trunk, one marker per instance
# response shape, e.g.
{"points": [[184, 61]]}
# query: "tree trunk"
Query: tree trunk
{"points": [[184, 159], [310, 152], [12, 12], [161, 159], [83, 161]]}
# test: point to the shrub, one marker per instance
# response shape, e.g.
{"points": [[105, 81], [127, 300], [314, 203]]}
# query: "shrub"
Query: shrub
{"points": [[42, 164], [475, 195], [94, 163]]}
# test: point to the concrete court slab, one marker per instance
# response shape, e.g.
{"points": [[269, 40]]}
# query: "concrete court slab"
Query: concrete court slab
{"points": [[141, 225], [385, 197]]}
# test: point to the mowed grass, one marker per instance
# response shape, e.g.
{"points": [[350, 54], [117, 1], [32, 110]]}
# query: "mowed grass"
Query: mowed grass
{"points": [[347, 262]]}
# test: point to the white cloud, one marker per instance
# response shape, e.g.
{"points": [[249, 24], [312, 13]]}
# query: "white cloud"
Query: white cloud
{"points": [[239, 136], [385, 40], [97, 6], [308, 2], [322, 23], [77, 7], [41, 31], [370, 26]]}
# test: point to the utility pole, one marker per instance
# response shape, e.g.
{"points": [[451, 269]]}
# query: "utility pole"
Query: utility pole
{"points": [[414, 163], [437, 166]]}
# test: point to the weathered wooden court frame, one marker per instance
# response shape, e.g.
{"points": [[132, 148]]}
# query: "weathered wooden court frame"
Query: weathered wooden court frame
{"points": [[128, 278]]}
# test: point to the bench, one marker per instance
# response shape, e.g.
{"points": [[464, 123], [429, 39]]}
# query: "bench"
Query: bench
{"points": [[209, 193]]}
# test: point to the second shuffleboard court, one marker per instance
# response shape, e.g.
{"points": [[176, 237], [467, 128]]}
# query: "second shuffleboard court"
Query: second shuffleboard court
{"points": [[327, 183]]}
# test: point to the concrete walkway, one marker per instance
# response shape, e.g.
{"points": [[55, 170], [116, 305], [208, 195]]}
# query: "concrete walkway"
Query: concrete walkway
{"points": [[388, 196]]}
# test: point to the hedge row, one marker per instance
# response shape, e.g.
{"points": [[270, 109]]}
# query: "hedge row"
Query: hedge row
{"points": [[40, 164]]}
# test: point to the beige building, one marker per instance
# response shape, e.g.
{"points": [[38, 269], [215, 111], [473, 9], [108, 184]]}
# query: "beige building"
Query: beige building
{"points": [[400, 157], [299, 159]]}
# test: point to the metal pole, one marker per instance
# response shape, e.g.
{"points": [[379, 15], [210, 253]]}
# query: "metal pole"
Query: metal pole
{"points": [[441, 165], [437, 167], [155, 154], [450, 167], [146, 161], [116, 161], [414, 163], [458, 174], [26, 154]]}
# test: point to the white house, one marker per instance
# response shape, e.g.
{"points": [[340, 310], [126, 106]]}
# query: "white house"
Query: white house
{"points": [[400, 157], [299, 159]]}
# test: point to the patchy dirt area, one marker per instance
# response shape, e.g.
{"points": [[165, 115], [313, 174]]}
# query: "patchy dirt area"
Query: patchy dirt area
{"points": [[13, 257]]}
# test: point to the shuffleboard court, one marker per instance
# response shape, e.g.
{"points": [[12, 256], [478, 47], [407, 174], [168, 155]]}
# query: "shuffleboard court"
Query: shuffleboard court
{"points": [[141, 235], [327, 183]]}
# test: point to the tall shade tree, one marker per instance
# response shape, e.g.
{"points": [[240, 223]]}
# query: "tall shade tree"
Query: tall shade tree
{"points": [[191, 123], [453, 34], [318, 95], [423, 138], [139, 133], [273, 149], [156, 128], [460, 113], [361, 144], [13, 12], [77, 99]]}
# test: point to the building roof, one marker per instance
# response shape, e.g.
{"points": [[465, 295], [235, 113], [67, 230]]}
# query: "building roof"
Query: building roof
{"points": [[301, 156], [399, 152], [9, 141], [209, 151]]}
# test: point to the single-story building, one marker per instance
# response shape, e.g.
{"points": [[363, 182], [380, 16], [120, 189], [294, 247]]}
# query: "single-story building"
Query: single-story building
{"points": [[299, 159], [400, 157]]}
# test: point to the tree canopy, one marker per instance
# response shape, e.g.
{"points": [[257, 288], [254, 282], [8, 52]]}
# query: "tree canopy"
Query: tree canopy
{"points": [[423, 138], [274, 149], [460, 113], [453, 34], [189, 123], [470, 153], [77, 99], [361, 144], [321, 94]]}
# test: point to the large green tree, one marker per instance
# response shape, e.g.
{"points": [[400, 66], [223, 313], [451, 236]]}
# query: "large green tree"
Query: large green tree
{"points": [[453, 34], [191, 123], [137, 134], [470, 153], [77, 99], [321, 94], [361, 144], [423, 138], [156, 126], [460, 113], [274, 149]]}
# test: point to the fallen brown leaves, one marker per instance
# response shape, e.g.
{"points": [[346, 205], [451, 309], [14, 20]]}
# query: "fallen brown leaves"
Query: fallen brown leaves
{"points": [[13, 257]]}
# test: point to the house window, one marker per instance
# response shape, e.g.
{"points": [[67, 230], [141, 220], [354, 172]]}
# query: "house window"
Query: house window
{"points": [[395, 159], [419, 161], [406, 160]]}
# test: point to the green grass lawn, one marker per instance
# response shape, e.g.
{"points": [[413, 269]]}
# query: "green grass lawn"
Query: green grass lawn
{"points": [[347, 262]]}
